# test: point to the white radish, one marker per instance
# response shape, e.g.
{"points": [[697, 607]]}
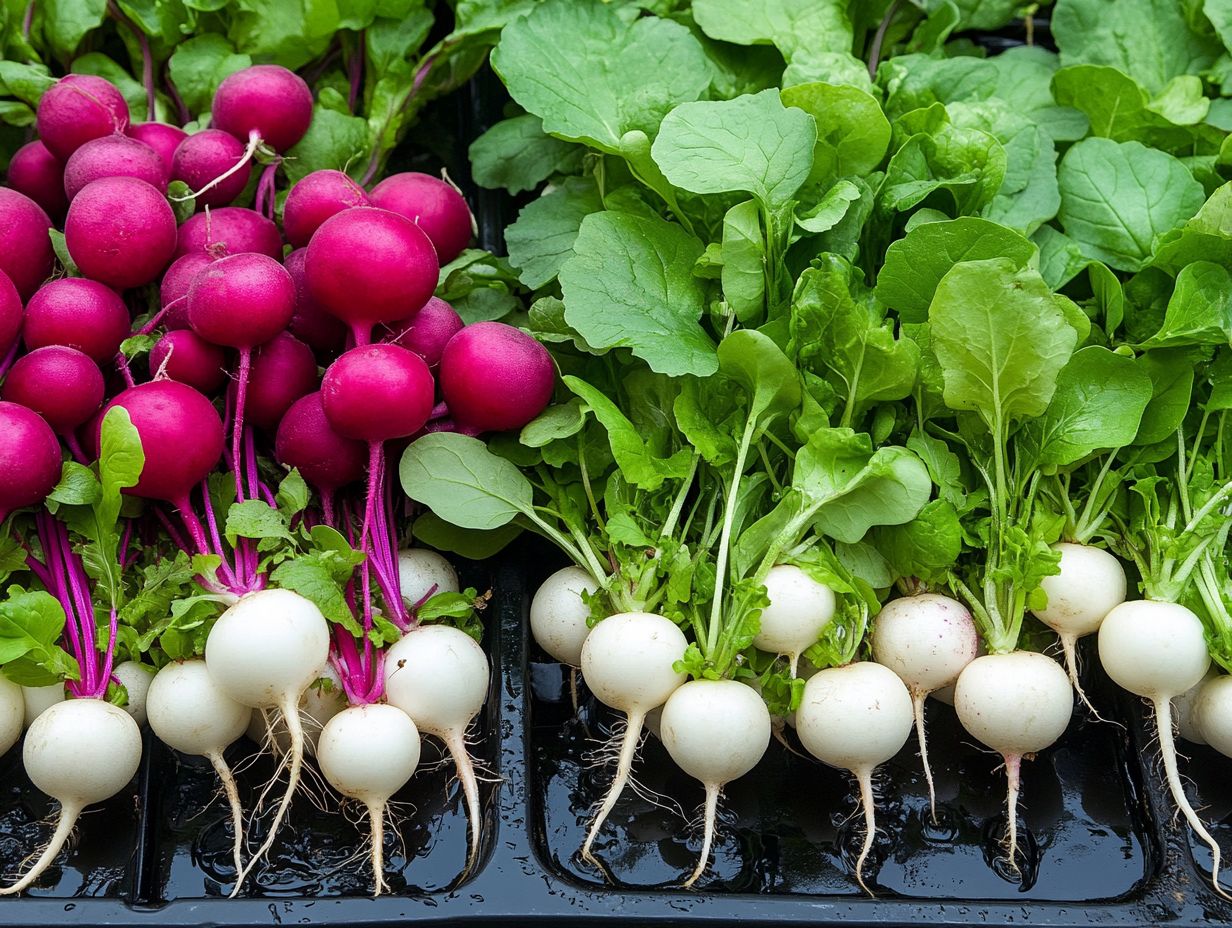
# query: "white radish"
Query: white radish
{"points": [[12, 712], [368, 753], [716, 731], [800, 608], [136, 679], [439, 676], [38, 699], [558, 614], [321, 702], [423, 574], [927, 640], [1184, 713], [1017, 704], [627, 661], [79, 752], [264, 652], [190, 714], [1157, 650], [1212, 711], [1090, 585], [856, 717]]}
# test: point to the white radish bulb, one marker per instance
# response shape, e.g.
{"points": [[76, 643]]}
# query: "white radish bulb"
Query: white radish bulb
{"points": [[12, 713], [264, 652], [321, 702], [136, 679], [716, 731], [1017, 704], [627, 661], [1184, 711], [856, 717], [422, 574], [38, 699], [439, 676], [106, 737], [927, 640], [368, 753], [800, 608], [558, 614], [1212, 711]]}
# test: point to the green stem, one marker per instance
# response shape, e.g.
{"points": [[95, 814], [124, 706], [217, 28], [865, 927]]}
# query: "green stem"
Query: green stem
{"points": [[590, 493], [669, 527], [1086, 526], [1209, 506], [729, 516]]}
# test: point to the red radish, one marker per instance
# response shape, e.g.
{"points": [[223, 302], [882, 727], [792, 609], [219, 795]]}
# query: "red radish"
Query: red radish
{"points": [[29, 459], [206, 155], [266, 102], [61, 384], [307, 441], [10, 316], [36, 172], [78, 108], [27, 256], [120, 231], [428, 331], [376, 393], [114, 156], [322, 332], [283, 370], [393, 281], [314, 199], [231, 230], [241, 301], [161, 137], [181, 435], [77, 313], [173, 291], [434, 205], [495, 377], [185, 356]]}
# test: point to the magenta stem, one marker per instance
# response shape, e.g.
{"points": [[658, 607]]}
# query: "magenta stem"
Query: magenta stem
{"points": [[75, 449], [327, 505], [125, 371], [36, 567], [158, 316], [7, 359], [237, 424], [173, 533], [439, 411]]}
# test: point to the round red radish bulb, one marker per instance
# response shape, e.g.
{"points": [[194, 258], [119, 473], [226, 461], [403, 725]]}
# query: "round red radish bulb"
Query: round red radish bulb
{"points": [[231, 230], [26, 255], [120, 231], [161, 137], [308, 442], [368, 266], [321, 331], [10, 314], [314, 199], [61, 384], [77, 313], [114, 156], [376, 393], [283, 370], [206, 155], [265, 101], [434, 205], [36, 172], [241, 301], [495, 377], [78, 108], [428, 331], [174, 288], [29, 458], [184, 356]]}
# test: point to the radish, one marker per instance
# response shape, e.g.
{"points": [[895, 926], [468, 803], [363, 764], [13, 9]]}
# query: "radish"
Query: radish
{"points": [[321, 331], [264, 652], [11, 317], [120, 231], [283, 370], [716, 731], [36, 172], [800, 609], [856, 717], [314, 199], [29, 459], [1091, 583], [38, 699], [27, 257], [377, 392], [434, 205], [189, 713], [1017, 704], [163, 138], [185, 356], [1188, 725], [422, 574], [393, 281], [266, 103], [12, 713], [559, 614], [308, 442], [114, 156], [495, 377], [230, 230], [927, 640], [136, 678], [320, 703], [77, 313], [1157, 650], [61, 384], [1212, 710], [428, 331], [77, 109], [439, 676], [55, 747], [205, 155], [368, 753], [628, 662]]}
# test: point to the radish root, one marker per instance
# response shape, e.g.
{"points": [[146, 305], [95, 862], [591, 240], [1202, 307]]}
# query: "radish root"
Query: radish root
{"points": [[376, 815], [917, 709], [64, 827], [233, 800], [865, 778], [624, 765], [470, 789], [1013, 766], [1069, 646], [708, 819]]}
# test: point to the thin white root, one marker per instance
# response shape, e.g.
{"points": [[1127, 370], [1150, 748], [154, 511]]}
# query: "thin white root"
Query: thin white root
{"points": [[1013, 765], [917, 707], [470, 789], [1069, 646], [624, 765], [708, 825], [1167, 747], [64, 828], [254, 142], [376, 815], [237, 811], [865, 778], [793, 662]]}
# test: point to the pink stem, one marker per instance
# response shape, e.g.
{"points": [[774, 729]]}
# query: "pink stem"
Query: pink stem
{"points": [[158, 316], [327, 505], [36, 567], [109, 660], [74, 447], [228, 573], [439, 411], [237, 424], [57, 587], [125, 371], [173, 533], [7, 359]]}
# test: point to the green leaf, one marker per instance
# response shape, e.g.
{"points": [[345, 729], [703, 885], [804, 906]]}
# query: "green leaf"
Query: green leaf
{"points": [[541, 240], [768, 377], [293, 494], [460, 480], [1172, 379], [255, 518], [1116, 198], [561, 420], [61, 249], [967, 164], [120, 462], [752, 144], [67, 22], [1200, 309], [1118, 108], [791, 25], [926, 547], [310, 577], [852, 132], [30, 626], [77, 487], [1060, 258], [630, 284], [288, 32], [831, 209], [744, 260], [474, 544], [516, 155], [1205, 237], [199, 64], [334, 141]]}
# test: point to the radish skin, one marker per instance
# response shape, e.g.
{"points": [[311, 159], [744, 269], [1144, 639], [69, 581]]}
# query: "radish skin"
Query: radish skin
{"points": [[799, 611], [558, 614], [422, 574], [1212, 709], [136, 679], [38, 699], [12, 713]]}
